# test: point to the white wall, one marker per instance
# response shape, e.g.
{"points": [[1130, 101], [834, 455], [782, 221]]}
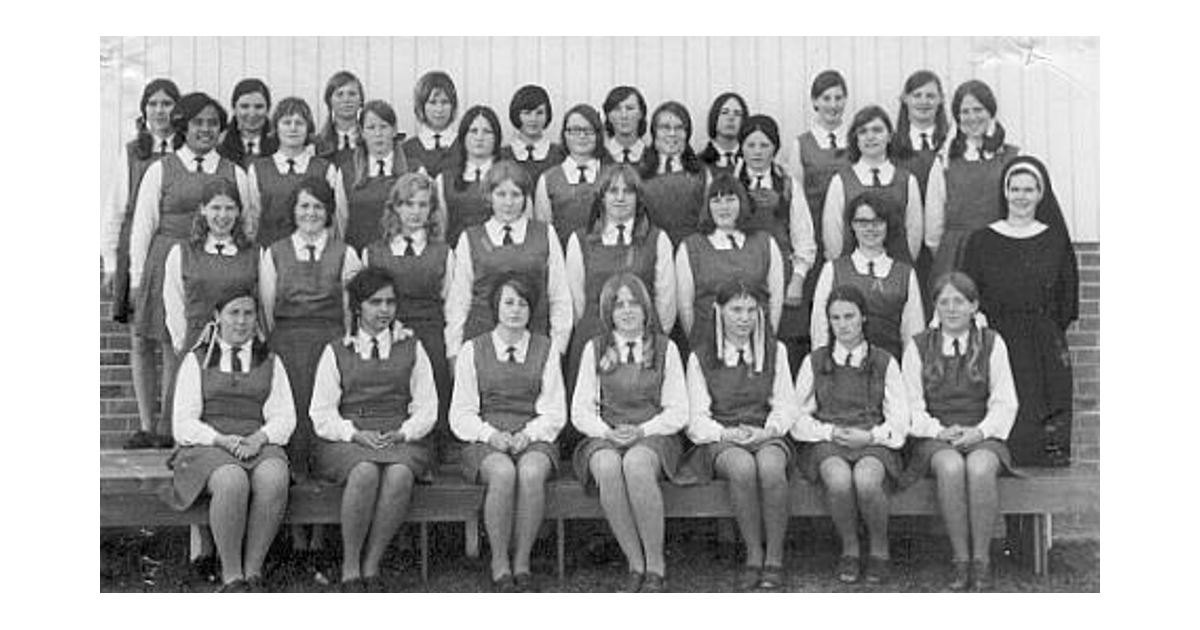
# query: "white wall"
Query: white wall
{"points": [[1047, 87]]}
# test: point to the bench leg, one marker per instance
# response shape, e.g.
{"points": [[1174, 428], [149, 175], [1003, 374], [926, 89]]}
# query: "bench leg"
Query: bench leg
{"points": [[1040, 546], [562, 548], [424, 552], [193, 542], [472, 536]]}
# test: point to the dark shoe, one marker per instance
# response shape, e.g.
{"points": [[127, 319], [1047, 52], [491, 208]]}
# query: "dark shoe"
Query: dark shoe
{"points": [[524, 583], [237, 586], [749, 578], [847, 569], [162, 441], [353, 585], [139, 441], [654, 583], [257, 584], [984, 580], [204, 570], [960, 575], [876, 570], [633, 582], [772, 578], [504, 584]]}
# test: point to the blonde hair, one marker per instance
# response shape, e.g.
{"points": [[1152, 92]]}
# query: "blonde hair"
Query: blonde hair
{"points": [[401, 193]]}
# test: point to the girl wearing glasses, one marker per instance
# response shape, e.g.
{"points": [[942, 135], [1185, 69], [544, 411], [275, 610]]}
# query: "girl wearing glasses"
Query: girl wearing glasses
{"points": [[674, 177], [565, 192]]}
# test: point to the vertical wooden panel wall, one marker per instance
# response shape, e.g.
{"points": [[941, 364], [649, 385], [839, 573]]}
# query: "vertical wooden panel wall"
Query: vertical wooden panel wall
{"points": [[1047, 86]]}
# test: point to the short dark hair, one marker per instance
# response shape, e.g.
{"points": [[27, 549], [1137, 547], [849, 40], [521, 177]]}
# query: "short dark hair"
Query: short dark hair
{"points": [[429, 83], [317, 187], [520, 285], [861, 118], [366, 283], [615, 97], [527, 98]]}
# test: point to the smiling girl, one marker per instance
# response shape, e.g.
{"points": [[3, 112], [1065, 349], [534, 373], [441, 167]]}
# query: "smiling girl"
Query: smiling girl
{"points": [[530, 113], [248, 135], [340, 134], [435, 104], [674, 177], [565, 193], [377, 163]]}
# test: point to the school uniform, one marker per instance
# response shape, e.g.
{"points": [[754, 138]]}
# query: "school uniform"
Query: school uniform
{"points": [[366, 199], [536, 157], [168, 199], [622, 154], [565, 194], [338, 147], [422, 272], [921, 162], [890, 182], [636, 381], [705, 262], [737, 388], [894, 313], [117, 219], [366, 382], [196, 277], [430, 150], [513, 388], [720, 160], [675, 198], [945, 391], [816, 156], [490, 251], [272, 180], [213, 398], [465, 201], [244, 150], [860, 388], [303, 305]]}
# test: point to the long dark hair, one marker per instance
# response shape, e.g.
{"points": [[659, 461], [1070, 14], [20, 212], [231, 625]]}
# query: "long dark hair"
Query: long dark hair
{"points": [[144, 143], [902, 147], [614, 98], [362, 168], [709, 155], [885, 209], [460, 142], [609, 174], [328, 135], [934, 370], [982, 93], [231, 147], [769, 128], [861, 119], [589, 114], [691, 163], [212, 189], [726, 184]]}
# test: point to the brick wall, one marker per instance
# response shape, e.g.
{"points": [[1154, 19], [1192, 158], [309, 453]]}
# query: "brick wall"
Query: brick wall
{"points": [[118, 409]]}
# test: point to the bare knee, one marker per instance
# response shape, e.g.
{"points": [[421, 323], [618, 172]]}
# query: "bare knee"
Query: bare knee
{"points": [[270, 478], [640, 463], [606, 467], [772, 466], [363, 477], [398, 478], [837, 476], [533, 468], [947, 464], [982, 465], [229, 480], [738, 466], [868, 476], [499, 472]]}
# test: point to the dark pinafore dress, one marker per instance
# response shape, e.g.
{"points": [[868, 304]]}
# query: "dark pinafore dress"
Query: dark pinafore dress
{"points": [[209, 277], [570, 204], [365, 202], [274, 188], [491, 262], [848, 397], [886, 298], [434, 161], [467, 207], [920, 163], [711, 158], [122, 306], [178, 202], [713, 267], [508, 394], [419, 306], [674, 202], [233, 405], [535, 168], [957, 398], [895, 191], [375, 397], [308, 315], [739, 396], [773, 214], [601, 262], [972, 202], [631, 393], [820, 165]]}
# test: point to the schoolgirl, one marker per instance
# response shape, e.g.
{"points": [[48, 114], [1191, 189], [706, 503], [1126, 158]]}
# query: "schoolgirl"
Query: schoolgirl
{"points": [[368, 176], [461, 184], [509, 407], [233, 415], [507, 242], [818, 153], [673, 177], [741, 404], [248, 135], [435, 104], [630, 403], [625, 123], [340, 135], [155, 138], [565, 193], [871, 169], [723, 152], [530, 113], [373, 403], [273, 177], [853, 418]]}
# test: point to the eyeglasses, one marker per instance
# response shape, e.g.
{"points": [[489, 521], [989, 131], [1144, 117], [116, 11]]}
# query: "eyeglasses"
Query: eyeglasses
{"points": [[867, 223], [580, 131]]}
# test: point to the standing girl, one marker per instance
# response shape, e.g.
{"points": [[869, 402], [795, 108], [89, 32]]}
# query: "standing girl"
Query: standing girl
{"points": [[167, 200], [1029, 289], [565, 193], [853, 417], [435, 104], [530, 113], [273, 178], [871, 169], [630, 402], [509, 406], [723, 151], [625, 123], [373, 403], [960, 391], [377, 163], [155, 138], [340, 134], [461, 183], [674, 178], [248, 135]]}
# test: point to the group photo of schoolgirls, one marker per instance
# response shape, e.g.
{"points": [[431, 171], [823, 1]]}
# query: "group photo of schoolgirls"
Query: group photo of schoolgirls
{"points": [[623, 292]]}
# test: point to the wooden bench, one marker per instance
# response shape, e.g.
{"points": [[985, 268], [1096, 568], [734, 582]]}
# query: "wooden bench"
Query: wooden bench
{"points": [[131, 480]]}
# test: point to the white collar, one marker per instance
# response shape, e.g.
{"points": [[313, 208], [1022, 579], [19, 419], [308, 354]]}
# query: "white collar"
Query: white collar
{"points": [[948, 342], [469, 169], [611, 233], [856, 355], [228, 247], [675, 163], [617, 150], [244, 357], [821, 134], [495, 229], [188, 158], [571, 168], [731, 353], [388, 162], [735, 156], [522, 346], [362, 343], [301, 245], [520, 144], [767, 179], [257, 139], [419, 240], [863, 171], [447, 136], [914, 136], [622, 342], [301, 160], [157, 143], [720, 238], [1003, 227], [883, 263]]}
